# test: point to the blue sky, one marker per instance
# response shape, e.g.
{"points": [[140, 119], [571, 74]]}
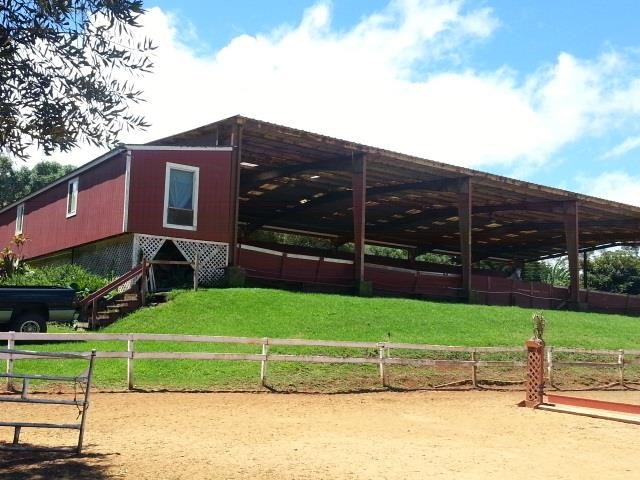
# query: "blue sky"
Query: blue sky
{"points": [[544, 91]]}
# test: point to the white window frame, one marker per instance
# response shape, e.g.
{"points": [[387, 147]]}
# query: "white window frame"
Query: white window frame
{"points": [[19, 218], [167, 177], [72, 193]]}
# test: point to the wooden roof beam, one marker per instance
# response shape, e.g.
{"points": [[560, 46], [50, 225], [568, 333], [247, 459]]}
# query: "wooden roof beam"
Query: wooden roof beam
{"points": [[346, 196], [251, 180]]}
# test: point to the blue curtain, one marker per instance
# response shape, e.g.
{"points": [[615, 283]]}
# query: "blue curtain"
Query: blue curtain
{"points": [[181, 189]]}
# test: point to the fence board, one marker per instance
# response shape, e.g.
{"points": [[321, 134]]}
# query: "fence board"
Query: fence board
{"points": [[382, 358]]}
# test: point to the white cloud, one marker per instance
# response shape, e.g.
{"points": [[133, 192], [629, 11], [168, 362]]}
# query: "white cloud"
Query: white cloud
{"points": [[617, 186], [621, 149], [375, 84]]}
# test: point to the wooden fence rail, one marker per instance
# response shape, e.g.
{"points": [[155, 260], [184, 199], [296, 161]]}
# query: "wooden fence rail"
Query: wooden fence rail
{"points": [[382, 359]]}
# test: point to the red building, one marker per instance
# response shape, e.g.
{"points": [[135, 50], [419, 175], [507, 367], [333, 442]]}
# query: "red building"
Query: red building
{"points": [[211, 191], [112, 211]]}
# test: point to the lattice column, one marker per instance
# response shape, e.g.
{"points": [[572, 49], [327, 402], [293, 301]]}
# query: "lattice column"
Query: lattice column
{"points": [[535, 373], [212, 258]]}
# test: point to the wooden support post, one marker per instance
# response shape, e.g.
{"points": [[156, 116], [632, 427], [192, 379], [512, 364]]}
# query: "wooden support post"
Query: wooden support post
{"points": [[382, 355], [25, 389], [585, 271], [196, 271], [465, 200], [474, 369], [263, 363], [621, 367], [359, 185], [130, 371], [571, 234], [11, 343], [234, 204], [144, 285]]}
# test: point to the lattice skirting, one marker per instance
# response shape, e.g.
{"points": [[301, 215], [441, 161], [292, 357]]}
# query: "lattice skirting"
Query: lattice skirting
{"points": [[108, 258], [212, 257]]}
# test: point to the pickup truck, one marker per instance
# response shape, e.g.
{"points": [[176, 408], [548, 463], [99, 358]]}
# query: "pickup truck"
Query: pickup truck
{"points": [[28, 309]]}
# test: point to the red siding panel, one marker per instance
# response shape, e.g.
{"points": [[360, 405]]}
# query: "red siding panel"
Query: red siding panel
{"points": [[146, 193], [99, 211]]}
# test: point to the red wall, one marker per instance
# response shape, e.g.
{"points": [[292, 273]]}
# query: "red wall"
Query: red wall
{"points": [[99, 212], [146, 193]]}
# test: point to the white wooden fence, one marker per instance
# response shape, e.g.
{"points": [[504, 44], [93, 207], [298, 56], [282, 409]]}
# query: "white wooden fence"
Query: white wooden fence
{"points": [[382, 359]]}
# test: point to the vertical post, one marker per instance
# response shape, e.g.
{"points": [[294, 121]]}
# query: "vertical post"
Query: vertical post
{"points": [[234, 204], [16, 435], [359, 189], [535, 373], [94, 314], [11, 343], [550, 365], [25, 389], [585, 271], [465, 200], [382, 355], [474, 369], [571, 234], [263, 363], [130, 355], [143, 283], [85, 404], [196, 268], [621, 367]]}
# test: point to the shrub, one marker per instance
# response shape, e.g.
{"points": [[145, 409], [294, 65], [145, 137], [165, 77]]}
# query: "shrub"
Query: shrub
{"points": [[66, 275]]}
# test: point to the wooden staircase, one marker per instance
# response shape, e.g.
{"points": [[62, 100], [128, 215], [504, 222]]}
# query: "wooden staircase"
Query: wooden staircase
{"points": [[100, 309]]}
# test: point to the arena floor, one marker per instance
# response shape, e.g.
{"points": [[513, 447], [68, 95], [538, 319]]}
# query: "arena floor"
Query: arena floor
{"points": [[416, 435]]}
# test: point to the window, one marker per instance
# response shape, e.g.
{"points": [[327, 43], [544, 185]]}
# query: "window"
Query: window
{"points": [[19, 218], [181, 196], [72, 197]]}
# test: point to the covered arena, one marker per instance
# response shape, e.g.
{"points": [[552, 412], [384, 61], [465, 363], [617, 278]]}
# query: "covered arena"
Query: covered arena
{"points": [[297, 182]]}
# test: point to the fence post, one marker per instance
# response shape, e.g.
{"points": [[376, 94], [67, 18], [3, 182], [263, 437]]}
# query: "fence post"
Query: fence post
{"points": [[130, 354], [263, 363], [474, 369], [550, 365], [621, 366], [11, 342], [382, 354]]}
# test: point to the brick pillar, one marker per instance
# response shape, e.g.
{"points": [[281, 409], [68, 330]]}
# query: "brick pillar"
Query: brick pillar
{"points": [[535, 373]]}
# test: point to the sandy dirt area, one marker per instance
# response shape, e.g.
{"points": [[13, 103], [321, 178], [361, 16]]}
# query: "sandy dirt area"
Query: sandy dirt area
{"points": [[416, 435]]}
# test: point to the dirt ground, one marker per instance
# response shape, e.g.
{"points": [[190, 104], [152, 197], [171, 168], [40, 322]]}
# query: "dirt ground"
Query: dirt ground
{"points": [[461, 435]]}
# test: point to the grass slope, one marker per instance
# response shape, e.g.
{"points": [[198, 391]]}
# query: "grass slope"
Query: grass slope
{"points": [[282, 314]]}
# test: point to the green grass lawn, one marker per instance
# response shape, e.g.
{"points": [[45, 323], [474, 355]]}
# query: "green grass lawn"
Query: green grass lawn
{"points": [[281, 314]]}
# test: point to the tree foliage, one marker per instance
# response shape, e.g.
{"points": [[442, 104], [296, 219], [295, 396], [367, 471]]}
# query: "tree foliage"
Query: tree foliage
{"points": [[16, 183], [615, 271], [65, 72]]}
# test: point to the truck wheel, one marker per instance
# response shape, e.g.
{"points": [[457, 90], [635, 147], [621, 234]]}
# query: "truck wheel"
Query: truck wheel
{"points": [[30, 323]]}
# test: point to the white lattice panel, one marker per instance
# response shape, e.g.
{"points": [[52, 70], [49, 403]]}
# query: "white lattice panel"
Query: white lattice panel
{"points": [[108, 258], [150, 246], [212, 258]]}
